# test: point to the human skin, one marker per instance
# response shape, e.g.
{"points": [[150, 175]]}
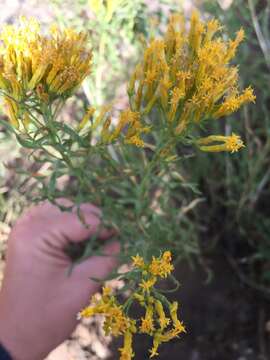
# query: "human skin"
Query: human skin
{"points": [[39, 301]]}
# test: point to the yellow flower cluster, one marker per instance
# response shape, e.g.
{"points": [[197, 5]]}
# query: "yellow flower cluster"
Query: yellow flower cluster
{"points": [[131, 122], [155, 322], [160, 266], [187, 73], [40, 67], [116, 323]]}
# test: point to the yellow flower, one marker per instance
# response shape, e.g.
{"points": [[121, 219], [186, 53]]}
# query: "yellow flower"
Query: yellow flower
{"points": [[116, 323], [106, 291], [161, 266], [134, 77], [196, 31], [177, 94], [228, 143], [167, 256], [89, 113], [129, 125], [234, 101], [146, 285], [138, 261], [12, 111], [103, 113], [126, 351], [163, 320], [86, 313], [147, 324], [154, 267], [156, 342], [178, 326], [212, 27], [135, 140], [233, 45]]}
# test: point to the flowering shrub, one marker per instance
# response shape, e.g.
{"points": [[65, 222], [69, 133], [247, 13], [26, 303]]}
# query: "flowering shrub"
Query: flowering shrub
{"points": [[127, 164]]}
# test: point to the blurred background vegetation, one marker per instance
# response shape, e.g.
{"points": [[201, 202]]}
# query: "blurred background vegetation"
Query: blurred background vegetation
{"points": [[233, 220], [237, 188]]}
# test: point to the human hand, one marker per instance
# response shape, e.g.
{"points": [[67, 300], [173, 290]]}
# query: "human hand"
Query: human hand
{"points": [[38, 301]]}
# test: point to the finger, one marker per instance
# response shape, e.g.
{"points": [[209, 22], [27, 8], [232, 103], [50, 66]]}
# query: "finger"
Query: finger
{"points": [[67, 226], [54, 229], [98, 266], [47, 208], [106, 234]]}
